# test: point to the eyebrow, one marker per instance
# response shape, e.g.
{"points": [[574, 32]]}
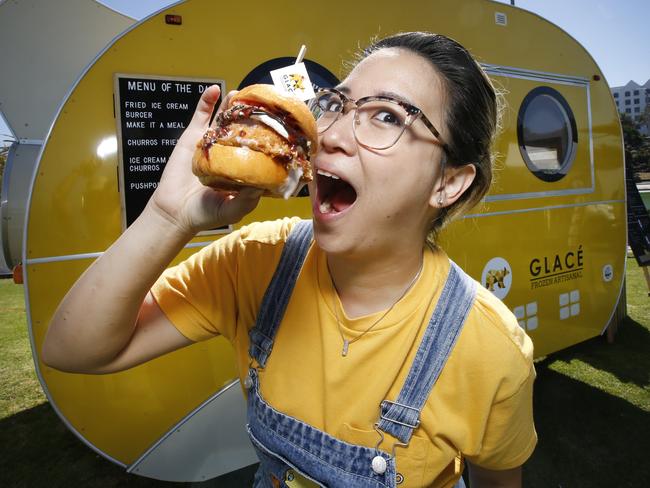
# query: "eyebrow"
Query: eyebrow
{"points": [[396, 96], [390, 94]]}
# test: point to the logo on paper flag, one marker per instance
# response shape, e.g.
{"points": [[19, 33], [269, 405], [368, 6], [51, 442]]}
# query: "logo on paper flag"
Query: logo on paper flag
{"points": [[293, 80]]}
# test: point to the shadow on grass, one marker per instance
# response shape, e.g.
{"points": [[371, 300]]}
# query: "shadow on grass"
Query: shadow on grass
{"points": [[38, 450], [587, 438], [627, 358]]}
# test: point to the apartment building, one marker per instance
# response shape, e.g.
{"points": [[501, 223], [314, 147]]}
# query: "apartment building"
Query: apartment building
{"points": [[632, 100]]}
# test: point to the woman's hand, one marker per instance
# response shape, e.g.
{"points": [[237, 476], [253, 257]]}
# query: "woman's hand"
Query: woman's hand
{"points": [[181, 199], [107, 321]]}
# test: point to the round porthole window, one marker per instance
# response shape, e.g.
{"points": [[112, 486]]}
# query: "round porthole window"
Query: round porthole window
{"points": [[547, 134]]}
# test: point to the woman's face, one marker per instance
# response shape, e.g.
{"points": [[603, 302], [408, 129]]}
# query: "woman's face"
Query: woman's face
{"points": [[382, 198]]}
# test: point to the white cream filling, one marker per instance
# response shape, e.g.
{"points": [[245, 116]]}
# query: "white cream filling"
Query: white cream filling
{"points": [[291, 185], [245, 141], [272, 123]]}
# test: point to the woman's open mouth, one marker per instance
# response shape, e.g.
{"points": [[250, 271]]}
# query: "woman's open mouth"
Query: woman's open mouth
{"points": [[334, 194]]}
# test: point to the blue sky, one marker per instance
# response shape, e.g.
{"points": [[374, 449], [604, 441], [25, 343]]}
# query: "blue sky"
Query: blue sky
{"points": [[615, 32]]}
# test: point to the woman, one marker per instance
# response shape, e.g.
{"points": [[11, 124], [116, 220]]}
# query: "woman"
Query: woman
{"points": [[371, 360]]}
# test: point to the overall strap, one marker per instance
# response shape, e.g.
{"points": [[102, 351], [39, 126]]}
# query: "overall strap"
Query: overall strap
{"points": [[401, 417], [279, 291]]}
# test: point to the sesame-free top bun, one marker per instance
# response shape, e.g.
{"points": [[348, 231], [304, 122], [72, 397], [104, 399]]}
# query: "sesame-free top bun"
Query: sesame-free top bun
{"points": [[271, 97]]}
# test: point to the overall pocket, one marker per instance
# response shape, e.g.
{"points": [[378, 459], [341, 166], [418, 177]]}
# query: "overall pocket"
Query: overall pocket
{"points": [[276, 471], [411, 461]]}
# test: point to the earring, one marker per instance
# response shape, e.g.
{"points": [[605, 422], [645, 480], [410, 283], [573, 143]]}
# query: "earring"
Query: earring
{"points": [[440, 200]]}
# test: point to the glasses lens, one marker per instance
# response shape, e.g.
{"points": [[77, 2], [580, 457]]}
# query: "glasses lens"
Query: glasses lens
{"points": [[380, 123], [326, 108]]}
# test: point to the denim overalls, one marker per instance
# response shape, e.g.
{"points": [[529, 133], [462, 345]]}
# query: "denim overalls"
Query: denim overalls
{"points": [[284, 443]]}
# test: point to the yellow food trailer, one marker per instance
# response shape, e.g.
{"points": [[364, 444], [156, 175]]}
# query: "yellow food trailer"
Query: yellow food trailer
{"points": [[549, 239]]}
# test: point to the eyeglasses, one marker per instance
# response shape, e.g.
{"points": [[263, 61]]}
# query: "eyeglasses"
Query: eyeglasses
{"points": [[379, 121]]}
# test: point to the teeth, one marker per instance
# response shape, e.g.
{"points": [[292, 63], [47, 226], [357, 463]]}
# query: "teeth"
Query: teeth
{"points": [[329, 175], [325, 207]]}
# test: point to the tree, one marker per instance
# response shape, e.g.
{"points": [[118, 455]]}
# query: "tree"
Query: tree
{"points": [[631, 135], [644, 119], [637, 147]]}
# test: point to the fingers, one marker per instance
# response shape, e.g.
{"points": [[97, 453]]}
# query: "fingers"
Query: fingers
{"points": [[236, 205], [250, 193], [205, 106], [224, 104], [244, 201], [226, 100]]}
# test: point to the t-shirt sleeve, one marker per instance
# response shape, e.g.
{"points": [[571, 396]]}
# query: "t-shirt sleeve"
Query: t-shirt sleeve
{"points": [[505, 429], [509, 438], [205, 295], [198, 295]]}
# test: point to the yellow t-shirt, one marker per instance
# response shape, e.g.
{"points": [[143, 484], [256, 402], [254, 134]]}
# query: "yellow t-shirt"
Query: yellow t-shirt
{"points": [[480, 407]]}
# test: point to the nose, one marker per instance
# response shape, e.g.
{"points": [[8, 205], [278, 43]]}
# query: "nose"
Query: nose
{"points": [[340, 135]]}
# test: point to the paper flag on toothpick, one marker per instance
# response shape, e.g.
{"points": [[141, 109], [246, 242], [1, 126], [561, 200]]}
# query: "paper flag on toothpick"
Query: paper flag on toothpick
{"points": [[293, 80]]}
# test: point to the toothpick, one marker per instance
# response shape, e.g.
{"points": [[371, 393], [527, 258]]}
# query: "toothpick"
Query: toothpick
{"points": [[301, 54]]}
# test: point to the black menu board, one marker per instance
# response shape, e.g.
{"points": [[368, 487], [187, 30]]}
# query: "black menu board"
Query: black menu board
{"points": [[151, 114]]}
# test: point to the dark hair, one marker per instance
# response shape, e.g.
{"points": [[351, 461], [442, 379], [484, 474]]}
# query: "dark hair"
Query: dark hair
{"points": [[471, 115]]}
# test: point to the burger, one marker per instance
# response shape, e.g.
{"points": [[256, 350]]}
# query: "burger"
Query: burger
{"points": [[264, 139]]}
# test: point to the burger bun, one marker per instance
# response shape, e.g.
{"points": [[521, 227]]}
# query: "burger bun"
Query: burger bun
{"points": [[230, 168]]}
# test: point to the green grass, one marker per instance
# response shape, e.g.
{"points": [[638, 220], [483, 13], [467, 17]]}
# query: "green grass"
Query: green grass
{"points": [[19, 387], [592, 406], [591, 401]]}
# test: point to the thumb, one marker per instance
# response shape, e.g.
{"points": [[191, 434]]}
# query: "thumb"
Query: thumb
{"points": [[205, 107]]}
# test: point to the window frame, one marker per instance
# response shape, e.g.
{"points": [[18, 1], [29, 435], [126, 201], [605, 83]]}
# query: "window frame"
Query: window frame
{"points": [[570, 155]]}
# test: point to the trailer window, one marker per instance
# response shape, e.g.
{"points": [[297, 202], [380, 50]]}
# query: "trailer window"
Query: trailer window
{"points": [[546, 130]]}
